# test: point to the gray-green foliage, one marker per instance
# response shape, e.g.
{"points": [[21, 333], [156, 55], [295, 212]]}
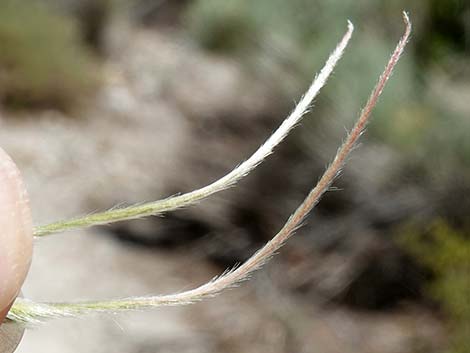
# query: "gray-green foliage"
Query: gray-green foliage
{"points": [[446, 252], [42, 59]]}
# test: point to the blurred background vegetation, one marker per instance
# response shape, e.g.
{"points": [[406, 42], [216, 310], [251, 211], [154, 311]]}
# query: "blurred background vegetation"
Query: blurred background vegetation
{"points": [[408, 189], [43, 61]]}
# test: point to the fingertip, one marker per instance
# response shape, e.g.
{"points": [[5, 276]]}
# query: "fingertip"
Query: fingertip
{"points": [[16, 233]]}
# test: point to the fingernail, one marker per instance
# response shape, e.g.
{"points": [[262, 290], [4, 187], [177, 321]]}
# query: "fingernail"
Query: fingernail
{"points": [[15, 232]]}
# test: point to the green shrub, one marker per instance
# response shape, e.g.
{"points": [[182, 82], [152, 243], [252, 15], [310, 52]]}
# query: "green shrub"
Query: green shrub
{"points": [[446, 252], [42, 59]]}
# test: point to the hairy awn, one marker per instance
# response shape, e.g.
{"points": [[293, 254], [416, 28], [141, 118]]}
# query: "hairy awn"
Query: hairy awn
{"points": [[29, 312]]}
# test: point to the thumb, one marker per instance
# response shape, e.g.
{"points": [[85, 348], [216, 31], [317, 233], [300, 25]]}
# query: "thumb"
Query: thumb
{"points": [[16, 240]]}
